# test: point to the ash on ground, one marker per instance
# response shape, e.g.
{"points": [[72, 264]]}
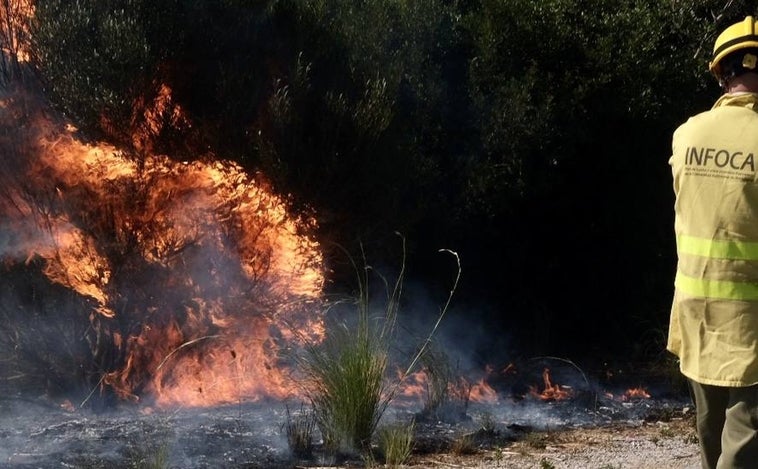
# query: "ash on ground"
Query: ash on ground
{"points": [[36, 433]]}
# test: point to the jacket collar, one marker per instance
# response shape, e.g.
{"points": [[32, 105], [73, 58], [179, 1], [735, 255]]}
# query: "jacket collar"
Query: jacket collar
{"points": [[742, 99]]}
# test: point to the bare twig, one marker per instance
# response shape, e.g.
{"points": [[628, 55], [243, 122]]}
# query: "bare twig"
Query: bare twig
{"points": [[439, 318], [92, 391], [186, 344]]}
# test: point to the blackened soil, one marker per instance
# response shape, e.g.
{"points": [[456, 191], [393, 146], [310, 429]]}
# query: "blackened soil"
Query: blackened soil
{"points": [[39, 433]]}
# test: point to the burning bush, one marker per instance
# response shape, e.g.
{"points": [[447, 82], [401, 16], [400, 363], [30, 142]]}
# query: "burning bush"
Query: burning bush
{"points": [[188, 276]]}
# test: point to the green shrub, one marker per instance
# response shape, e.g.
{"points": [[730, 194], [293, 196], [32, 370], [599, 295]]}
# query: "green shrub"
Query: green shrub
{"points": [[396, 443], [348, 391], [91, 55], [346, 374]]}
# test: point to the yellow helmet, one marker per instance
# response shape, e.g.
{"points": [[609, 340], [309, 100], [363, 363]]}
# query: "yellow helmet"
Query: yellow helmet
{"points": [[738, 36]]}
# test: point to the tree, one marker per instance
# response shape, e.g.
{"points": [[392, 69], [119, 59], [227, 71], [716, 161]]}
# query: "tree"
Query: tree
{"points": [[532, 137]]}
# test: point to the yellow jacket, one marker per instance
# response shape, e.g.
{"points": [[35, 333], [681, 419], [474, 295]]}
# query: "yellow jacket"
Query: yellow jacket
{"points": [[714, 317]]}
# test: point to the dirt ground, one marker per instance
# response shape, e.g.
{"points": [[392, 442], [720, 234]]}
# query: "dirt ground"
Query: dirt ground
{"points": [[650, 445]]}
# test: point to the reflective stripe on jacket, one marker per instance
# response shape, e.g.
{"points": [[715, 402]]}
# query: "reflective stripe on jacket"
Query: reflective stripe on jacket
{"points": [[714, 317]]}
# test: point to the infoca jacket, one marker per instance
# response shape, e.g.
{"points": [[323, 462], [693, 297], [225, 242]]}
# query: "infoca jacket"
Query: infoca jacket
{"points": [[714, 317]]}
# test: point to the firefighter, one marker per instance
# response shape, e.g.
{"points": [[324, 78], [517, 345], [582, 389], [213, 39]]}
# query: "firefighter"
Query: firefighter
{"points": [[714, 317]]}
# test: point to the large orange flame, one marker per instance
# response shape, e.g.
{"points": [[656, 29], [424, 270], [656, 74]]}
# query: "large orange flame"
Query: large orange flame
{"points": [[196, 272]]}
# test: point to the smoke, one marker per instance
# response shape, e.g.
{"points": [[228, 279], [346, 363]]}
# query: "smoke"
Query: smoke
{"points": [[20, 239]]}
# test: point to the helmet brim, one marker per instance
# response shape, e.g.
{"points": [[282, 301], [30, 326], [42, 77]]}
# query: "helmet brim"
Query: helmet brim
{"points": [[727, 49]]}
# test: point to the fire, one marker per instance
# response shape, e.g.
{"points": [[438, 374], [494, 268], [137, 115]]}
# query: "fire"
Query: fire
{"points": [[551, 391], [15, 20], [482, 392], [630, 394], [417, 387], [149, 119], [196, 273], [414, 386], [635, 393]]}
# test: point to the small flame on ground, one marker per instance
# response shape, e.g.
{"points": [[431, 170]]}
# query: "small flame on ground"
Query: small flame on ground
{"points": [[551, 392], [483, 393], [630, 394], [636, 393], [416, 387]]}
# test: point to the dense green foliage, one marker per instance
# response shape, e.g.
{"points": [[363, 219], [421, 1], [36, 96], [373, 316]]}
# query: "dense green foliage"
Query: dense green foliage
{"points": [[94, 55], [531, 137]]}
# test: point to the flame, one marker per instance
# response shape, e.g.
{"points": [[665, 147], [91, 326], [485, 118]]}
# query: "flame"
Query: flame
{"points": [[415, 387], [552, 392], [630, 394], [509, 369], [483, 393], [15, 21], [151, 117], [635, 393], [196, 272]]}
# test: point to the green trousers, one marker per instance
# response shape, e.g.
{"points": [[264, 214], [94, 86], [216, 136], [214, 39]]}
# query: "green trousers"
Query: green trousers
{"points": [[727, 425]]}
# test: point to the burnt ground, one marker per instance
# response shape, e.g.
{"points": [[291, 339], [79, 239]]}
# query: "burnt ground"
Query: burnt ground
{"points": [[592, 432]]}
